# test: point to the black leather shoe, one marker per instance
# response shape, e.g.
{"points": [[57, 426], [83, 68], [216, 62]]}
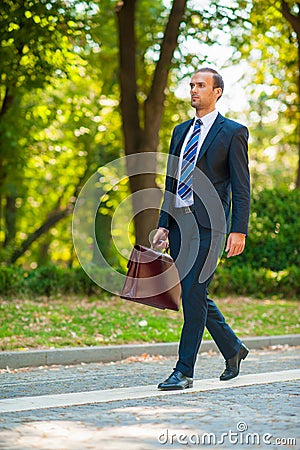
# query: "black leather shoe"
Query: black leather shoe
{"points": [[176, 381], [233, 364]]}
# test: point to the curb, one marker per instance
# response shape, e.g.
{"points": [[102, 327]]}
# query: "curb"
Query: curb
{"points": [[77, 355]]}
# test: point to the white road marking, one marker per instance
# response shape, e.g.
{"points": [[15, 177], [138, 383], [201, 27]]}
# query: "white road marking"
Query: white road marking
{"points": [[119, 394]]}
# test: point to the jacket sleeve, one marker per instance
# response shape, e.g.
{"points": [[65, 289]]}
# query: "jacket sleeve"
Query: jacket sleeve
{"points": [[164, 217], [240, 180], [170, 186]]}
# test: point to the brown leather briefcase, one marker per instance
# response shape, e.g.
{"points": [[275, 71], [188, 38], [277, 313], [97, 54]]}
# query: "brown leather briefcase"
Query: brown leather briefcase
{"points": [[152, 279]]}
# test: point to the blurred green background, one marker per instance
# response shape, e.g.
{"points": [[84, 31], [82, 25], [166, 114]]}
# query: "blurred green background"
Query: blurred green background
{"points": [[85, 82]]}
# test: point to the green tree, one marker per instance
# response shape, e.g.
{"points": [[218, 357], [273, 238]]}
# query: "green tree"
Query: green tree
{"points": [[270, 42], [36, 41], [68, 142], [142, 108], [152, 59], [74, 80]]}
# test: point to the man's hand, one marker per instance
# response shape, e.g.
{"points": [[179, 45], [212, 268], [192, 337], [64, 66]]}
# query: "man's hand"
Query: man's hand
{"points": [[160, 239], [235, 244]]}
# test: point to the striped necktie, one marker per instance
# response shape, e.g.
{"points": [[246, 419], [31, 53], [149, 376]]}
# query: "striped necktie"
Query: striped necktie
{"points": [[188, 162]]}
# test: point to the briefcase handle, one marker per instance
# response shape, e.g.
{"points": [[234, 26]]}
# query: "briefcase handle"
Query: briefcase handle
{"points": [[165, 250]]}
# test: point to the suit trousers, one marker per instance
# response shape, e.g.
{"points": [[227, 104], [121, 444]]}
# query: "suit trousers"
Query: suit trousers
{"points": [[195, 253]]}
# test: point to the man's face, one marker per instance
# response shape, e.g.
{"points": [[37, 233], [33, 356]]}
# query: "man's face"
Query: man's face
{"points": [[203, 94]]}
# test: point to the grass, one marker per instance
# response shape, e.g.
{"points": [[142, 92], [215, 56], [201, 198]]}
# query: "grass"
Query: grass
{"points": [[78, 321]]}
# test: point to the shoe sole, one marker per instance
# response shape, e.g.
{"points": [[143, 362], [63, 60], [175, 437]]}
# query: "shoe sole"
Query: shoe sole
{"points": [[175, 388]]}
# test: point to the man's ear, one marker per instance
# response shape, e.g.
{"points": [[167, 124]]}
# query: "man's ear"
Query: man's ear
{"points": [[219, 92]]}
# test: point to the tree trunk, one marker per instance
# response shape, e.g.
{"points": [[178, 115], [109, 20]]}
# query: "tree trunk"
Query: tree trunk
{"points": [[10, 216], [51, 220], [136, 139], [7, 102], [6, 204], [43, 257]]}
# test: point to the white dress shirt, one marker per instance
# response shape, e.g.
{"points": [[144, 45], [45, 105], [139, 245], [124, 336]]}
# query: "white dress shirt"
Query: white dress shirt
{"points": [[207, 121]]}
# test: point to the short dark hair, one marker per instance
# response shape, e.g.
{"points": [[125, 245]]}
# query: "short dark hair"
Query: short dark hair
{"points": [[218, 80]]}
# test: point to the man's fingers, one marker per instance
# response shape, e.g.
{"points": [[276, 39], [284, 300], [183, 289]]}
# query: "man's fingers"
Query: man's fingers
{"points": [[235, 244], [159, 236], [160, 241], [228, 243], [161, 245], [235, 249]]}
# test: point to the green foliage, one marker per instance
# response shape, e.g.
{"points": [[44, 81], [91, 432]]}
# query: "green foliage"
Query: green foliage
{"points": [[66, 139], [235, 280], [37, 49], [45, 280], [36, 41], [60, 116], [261, 283], [270, 46], [270, 263], [273, 240], [11, 279]]}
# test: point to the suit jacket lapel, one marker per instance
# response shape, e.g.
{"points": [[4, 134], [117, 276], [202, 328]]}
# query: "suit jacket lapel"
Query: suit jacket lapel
{"points": [[175, 149], [216, 127], [181, 136]]}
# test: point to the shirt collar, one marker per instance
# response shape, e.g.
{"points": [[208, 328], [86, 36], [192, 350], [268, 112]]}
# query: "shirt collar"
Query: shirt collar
{"points": [[208, 119]]}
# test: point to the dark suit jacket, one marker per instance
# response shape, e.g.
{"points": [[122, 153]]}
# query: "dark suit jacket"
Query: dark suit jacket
{"points": [[223, 158]]}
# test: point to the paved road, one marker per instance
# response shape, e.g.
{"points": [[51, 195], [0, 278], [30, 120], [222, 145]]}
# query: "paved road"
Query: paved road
{"points": [[224, 415]]}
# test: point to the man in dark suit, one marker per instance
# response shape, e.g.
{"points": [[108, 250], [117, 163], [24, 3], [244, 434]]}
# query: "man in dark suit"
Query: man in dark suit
{"points": [[191, 220]]}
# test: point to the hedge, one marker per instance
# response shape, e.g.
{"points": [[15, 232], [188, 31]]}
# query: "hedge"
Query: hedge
{"points": [[273, 241], [45, 280], [245, 280], [270, 264], [235, 280]]}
